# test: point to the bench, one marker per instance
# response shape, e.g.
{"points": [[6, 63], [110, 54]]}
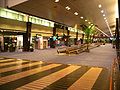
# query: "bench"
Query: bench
{"points": [[72, 50], [83, 47], [61, 50], [76, 49], [97, 44]]}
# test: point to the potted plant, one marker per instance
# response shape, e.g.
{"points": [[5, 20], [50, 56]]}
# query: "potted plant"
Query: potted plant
{"points": [[31, 49], [88, 30]]}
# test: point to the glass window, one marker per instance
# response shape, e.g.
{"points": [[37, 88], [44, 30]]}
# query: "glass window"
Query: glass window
{"points": [[21, 17], [15, 16], [3, 13], [37, 21], [33, 20], [30, 19], [52, 24], [9, 15]]}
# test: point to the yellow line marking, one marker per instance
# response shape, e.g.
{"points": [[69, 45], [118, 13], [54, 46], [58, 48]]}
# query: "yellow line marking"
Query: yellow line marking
{"points": [[13, 77], [47, 80], [16, 62], [7, 60], [87, 81], [20, 66]]}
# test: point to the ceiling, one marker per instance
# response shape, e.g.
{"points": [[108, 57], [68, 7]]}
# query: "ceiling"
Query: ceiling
{"points": [[89, 9]]}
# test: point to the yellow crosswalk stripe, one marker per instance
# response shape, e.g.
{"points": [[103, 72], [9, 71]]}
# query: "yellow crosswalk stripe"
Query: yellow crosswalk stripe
{"points": [[30, 64], [16, 62], [13, 77], [87, 81], [47, 80], [6, 60]]}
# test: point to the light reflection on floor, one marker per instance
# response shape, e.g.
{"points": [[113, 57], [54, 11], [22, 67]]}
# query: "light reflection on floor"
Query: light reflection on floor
{"points": [[29, 75]]}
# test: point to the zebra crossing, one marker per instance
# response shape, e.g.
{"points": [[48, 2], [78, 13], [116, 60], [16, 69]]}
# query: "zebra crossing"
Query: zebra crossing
{"points": [[16, 74]]}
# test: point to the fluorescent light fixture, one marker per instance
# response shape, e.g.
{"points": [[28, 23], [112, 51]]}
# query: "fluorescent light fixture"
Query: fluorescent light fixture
{"points": [[107, 22], [89, 22], [102, 11], [109, 28], [56, 0], [116, 9], [67, 7], [104, 15], [86, 20], [99, 5], [81, 17], [76, 13], [102, 31], [105, 18]]}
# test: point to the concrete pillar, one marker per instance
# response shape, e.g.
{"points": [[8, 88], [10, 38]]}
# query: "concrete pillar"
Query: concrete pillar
{"points": [[118, 34], [77, 35], [52, 42], [82, 38], [68, 33], [75, 40], [54, 31], [26, 37]]}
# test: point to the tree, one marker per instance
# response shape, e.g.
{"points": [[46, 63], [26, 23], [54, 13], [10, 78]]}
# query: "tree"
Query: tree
{"points": [[88, 30]]}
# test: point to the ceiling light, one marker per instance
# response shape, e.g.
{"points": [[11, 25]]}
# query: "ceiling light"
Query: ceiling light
{"points": [[89, 22], [104, 15], [99, 5], [68, 8], [76, 13], [102, 11], [101, 31], [86, 20], [116, 10], [109, 28], [56, 0], [107, 22], [81, 17], [105, 18]]}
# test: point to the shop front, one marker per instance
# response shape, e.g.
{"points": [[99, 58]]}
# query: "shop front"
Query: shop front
{"points": [[10, 41], [40, 42]]}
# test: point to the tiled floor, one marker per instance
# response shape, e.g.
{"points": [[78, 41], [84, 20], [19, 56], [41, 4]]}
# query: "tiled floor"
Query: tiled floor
{"points": [[18, 74], [102, 56]]}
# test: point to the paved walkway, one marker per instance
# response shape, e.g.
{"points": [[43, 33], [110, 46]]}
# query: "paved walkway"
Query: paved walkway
{"points": [[17, 74], [102, 56], [58, 71]]}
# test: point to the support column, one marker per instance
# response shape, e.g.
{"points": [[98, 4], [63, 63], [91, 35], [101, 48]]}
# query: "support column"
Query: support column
{"points": [[52, 42], [26, 37], [118, 34], [54, 31], [68, 33], [82, 38], [75, 40], [77, 35]]}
